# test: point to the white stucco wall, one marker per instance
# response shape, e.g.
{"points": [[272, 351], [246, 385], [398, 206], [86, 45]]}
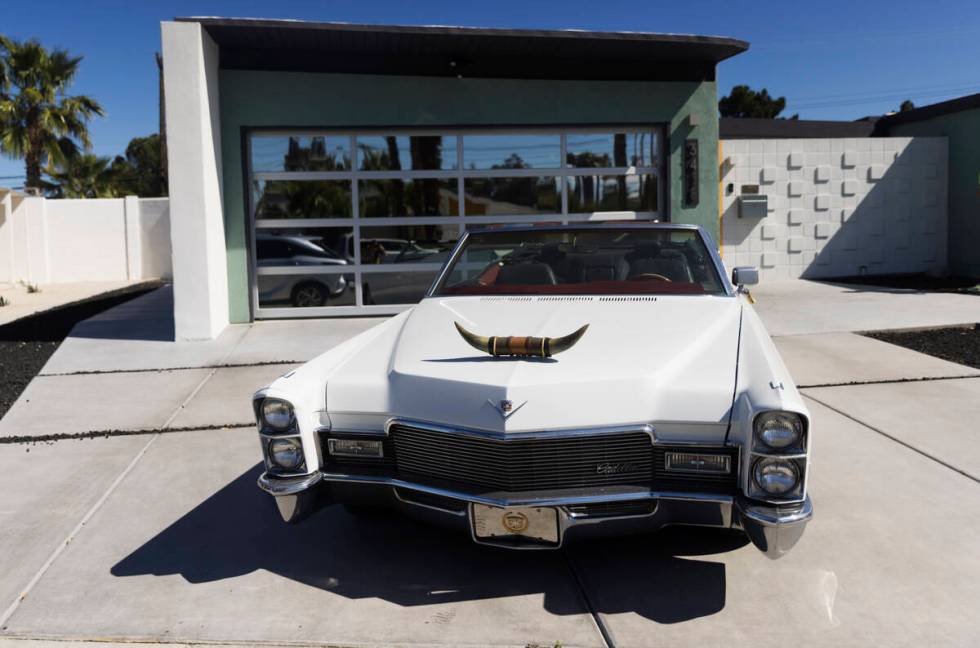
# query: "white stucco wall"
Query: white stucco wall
{"points": [[190, 61], [66, 241], [837, 207]]}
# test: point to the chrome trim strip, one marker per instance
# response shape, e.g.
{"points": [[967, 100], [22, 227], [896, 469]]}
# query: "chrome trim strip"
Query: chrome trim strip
{"points": [[527, 500], [514, 436], [398, 497]]}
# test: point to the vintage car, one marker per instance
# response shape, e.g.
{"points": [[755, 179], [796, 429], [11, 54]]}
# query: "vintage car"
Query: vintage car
{"points": [[589, 379]]}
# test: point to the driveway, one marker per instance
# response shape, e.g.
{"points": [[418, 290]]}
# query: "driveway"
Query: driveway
{"points": [[130, 513]]}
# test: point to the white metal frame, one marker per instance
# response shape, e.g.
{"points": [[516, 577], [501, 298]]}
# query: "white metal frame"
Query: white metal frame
{"points": [[460, 174]]}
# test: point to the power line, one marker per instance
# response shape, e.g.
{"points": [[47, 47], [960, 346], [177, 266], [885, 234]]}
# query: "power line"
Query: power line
{"points": [[880, 98]]}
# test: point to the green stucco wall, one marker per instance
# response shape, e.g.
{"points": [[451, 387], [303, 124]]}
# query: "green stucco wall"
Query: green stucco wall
{"points": [[963, 132], [254, 99]]}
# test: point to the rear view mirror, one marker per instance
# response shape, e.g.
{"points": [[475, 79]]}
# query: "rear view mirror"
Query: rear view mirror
{"points": [[745, 276]]}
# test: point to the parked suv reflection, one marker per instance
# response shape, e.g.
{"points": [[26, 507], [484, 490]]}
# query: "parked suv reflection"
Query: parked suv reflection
{"points": [[299, 290]]}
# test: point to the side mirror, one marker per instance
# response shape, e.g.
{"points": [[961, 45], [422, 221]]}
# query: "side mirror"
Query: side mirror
{"points": [[745, 276]]}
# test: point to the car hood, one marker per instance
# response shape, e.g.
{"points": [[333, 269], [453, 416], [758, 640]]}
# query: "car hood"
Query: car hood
{"points": [[669, 361]]}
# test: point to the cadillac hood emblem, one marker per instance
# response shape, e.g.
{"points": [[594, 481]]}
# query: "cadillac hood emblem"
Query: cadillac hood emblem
{"points": [[505, 407]]}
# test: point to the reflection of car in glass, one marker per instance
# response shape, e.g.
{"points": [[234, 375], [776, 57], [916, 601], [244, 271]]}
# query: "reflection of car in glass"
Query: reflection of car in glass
{"points": [[408, 287], [373, 250], [586, 379], [301, 290]]}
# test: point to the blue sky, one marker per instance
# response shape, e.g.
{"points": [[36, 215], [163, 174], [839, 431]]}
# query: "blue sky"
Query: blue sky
{"points": [[830, 59]]}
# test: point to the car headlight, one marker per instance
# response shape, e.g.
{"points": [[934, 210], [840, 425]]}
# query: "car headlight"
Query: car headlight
{"points": [[776, 476], [276, 413], [779, 430], [286, 453]]}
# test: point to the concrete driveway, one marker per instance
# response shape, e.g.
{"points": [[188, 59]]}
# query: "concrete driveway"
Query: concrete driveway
{"points": [[145, 523]]}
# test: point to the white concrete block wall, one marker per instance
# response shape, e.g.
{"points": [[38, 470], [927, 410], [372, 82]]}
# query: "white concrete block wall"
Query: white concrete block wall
{"points": [[66, 241], [837, 207]]}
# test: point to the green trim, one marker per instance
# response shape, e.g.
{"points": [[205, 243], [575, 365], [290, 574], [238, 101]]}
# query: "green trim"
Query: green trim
{"points": [[271, 99]]}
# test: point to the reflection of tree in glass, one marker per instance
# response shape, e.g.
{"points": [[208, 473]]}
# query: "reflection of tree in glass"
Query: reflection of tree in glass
{"points": [[303, 199], [397, 197], [312, 158], [538, 193]]}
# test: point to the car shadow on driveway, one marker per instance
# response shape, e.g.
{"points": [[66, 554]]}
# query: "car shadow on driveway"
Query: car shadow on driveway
{"points": [[237, 531]]}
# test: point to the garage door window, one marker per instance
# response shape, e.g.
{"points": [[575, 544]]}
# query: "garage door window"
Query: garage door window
{"points": [[358, 223]]}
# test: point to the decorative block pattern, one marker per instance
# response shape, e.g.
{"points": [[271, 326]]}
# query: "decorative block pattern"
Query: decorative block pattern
{"points": [[837, 205]]}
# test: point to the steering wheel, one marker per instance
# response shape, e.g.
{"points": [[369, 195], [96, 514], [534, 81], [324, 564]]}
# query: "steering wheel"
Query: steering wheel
{"points": [[650, 275]]}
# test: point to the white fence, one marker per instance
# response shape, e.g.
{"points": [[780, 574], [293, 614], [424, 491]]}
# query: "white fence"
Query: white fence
{"points": [[62, 241], [837, 207]]}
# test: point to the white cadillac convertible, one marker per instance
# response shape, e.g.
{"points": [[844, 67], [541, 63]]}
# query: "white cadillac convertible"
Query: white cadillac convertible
{"points": [[555, 382]]}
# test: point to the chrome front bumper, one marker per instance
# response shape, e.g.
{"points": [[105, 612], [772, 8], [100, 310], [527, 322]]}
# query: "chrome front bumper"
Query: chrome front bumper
{"points": [[772, 529]]}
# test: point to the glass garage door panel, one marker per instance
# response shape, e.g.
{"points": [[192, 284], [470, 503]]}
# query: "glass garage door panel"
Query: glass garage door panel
{"points": [[410, 197], [346, 223], [414, 153], [396, 288], [401, 244], [305, 291], [302, 199], [317, 153]]}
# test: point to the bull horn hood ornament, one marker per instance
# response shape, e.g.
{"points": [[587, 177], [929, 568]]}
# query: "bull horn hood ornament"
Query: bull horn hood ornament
{"points": [[521, 346]]}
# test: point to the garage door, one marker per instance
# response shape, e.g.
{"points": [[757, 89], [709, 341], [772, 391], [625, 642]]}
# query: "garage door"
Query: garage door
{"points": [[360, 222]]}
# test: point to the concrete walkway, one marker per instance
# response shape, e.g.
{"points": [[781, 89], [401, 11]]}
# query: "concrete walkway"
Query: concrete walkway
{"points": [[22, 303], [151, 528], [804, 307]]}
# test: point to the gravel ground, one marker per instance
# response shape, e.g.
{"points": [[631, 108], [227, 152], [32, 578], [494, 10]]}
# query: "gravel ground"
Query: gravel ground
{"points": [[26, 344], [960, 345]]}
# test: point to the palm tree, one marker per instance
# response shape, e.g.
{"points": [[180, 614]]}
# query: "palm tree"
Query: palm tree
{"points": [[38, 120], [84, 176]]}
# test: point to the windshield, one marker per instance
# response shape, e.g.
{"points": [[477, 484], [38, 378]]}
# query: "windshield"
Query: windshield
{"points": [[582, 262]]}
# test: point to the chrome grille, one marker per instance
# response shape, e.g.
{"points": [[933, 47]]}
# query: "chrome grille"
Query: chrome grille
{"points": [[547, 463]]}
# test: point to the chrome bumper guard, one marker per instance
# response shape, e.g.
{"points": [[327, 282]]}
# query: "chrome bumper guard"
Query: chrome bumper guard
{"points": [[774, 530]]}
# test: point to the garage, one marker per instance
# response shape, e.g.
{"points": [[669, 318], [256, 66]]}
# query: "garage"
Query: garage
{"points": [[326, 169], [342, 222]]}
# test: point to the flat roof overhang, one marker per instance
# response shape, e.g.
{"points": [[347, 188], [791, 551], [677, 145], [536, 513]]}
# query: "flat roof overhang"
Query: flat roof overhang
{"points": [[298, 46]]}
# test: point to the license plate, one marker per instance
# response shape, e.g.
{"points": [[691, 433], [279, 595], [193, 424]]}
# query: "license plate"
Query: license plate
{"points": [[535, 522]]}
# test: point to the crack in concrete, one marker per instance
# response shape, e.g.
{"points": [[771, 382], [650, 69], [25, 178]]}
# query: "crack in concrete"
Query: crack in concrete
{"points": [[106, 434], [889, 381], [583, 591], [9, 612], [895, 439], [240, 365]]}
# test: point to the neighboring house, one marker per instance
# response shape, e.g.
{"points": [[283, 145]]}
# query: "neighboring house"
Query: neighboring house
{"points": [[959, 121], [413, 134]]}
